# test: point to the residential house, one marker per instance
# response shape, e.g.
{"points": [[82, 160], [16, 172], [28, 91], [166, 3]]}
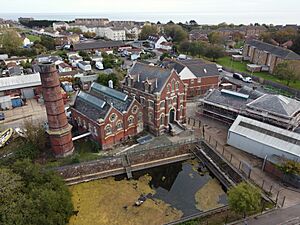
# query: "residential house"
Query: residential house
{"points": [[60, 26], [198, 75], [155, 41], [92, 21], [109, 115], [267, 55], [161, 93]]}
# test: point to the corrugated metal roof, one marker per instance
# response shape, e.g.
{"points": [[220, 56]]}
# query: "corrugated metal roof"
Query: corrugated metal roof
{"points": [[24, 81], [281, 139]]}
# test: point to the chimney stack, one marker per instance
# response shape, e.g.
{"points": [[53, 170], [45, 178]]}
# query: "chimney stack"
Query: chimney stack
{"points": [[59, 129]]}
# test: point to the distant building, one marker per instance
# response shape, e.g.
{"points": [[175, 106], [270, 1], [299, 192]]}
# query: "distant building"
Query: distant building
{"points": [[155, 41], [267, 55], [60, 25], [263, 140], [199, 75], [92, 21], [109, 115], [98, 45], [161, 93]]}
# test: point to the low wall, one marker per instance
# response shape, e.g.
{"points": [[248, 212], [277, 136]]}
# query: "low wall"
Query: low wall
{"points": [[117, 163], [290, 179]]}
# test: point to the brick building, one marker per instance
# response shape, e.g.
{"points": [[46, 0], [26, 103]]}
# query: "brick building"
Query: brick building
{"points": [[161, 93], [109, 115], [267, 55], [199, 75]]}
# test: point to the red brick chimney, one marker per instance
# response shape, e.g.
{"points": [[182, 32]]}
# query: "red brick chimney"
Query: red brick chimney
{"points": [[59, 129]]}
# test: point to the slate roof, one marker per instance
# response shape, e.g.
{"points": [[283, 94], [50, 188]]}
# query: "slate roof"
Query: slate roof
{"points": [[198, 67], [277, 104], [253, 94], [117, 99], [88, 45], [275, 50], [151, 73], [228, 100], [16, 70], [90, 106], [96, 103]]}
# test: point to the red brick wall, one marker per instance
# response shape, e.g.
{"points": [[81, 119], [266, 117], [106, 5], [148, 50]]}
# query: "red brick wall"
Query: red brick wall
{"points": [[200, 86]]}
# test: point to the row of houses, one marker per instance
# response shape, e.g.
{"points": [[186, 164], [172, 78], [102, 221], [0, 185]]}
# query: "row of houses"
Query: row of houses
{"points": [[103, 28]]}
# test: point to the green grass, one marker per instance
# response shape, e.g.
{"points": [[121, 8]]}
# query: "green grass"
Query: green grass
{"points": [[33, 38], [242, 67]]}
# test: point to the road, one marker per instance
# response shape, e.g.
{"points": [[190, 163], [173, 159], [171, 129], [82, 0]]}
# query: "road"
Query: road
{"points": [[287, 216]]}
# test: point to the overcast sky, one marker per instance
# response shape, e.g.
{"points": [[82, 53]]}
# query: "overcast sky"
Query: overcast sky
{"points": [[267, 11]]}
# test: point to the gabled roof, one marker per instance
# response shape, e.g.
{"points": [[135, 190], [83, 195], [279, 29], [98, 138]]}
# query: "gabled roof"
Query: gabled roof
{"points": [[151, 73], [96, 103], [117, 99], [198, 67], [275, 50], [277, 104]]}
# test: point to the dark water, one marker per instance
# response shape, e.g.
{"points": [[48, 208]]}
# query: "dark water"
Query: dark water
{"points": [[177, 184]]}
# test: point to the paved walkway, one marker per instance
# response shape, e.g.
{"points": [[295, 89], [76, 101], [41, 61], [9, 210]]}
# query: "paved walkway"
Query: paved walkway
{"points": [[32, 110], [287, 216]]}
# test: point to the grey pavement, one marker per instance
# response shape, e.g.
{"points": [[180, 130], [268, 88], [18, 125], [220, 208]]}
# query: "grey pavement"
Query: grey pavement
{"points": [[286, 216]]}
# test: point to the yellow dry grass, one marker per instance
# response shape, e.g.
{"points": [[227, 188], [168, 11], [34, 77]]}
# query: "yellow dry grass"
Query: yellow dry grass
{"points": [[111, 202], [208, 196]]}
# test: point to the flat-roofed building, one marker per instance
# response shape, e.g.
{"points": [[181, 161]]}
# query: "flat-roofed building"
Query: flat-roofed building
{"points": [[262, 139]]}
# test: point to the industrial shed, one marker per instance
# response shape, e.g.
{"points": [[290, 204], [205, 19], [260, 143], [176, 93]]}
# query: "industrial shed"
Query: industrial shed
{"points": [[261, 139]]}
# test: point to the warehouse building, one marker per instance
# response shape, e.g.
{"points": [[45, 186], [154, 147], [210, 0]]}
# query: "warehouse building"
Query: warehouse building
{"points": [[26, 86], [261, 139]]}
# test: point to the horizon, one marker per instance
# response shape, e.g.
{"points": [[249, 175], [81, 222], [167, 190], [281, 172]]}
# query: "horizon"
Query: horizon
{"points": [[202, 11]]}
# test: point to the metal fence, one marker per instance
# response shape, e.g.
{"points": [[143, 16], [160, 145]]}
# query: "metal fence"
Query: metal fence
{"points": [[271, 189]]}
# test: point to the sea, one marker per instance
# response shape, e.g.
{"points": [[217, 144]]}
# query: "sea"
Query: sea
{"points": [[164, 17]]}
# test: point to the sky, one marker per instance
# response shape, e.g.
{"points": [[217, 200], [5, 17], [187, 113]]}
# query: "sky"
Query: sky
{"points": [[207, 11]]}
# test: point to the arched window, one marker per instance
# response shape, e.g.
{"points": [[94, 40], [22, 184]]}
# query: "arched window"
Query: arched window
{"points": [[162, 105], [162, 119], [175, 100], [173, 85], [181, 110], [108, 130], [130, 120], [113, 117], [169, 88], [79, 121], [90, 127], [140, 117], [119, 125], [84, 124], [134, 110], [95, 131], [177, 85], [150, 117]]}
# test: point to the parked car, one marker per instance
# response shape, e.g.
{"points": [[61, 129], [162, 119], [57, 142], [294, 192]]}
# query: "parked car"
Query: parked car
{"points": [[238, 76], [247, 79], [220, 68], [2, 116]]}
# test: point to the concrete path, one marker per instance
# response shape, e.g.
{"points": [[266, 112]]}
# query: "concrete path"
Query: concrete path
{"points": [[287, 216]]}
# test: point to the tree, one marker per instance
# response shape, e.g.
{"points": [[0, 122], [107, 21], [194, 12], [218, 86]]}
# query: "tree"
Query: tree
{"points": [[237, 36], [266, 37], [10, 40], [244, 198], [285, 35], [33, 196], [215, 38], [75, 30], [164, 55], [48, 42], [104, 78], [288, 70], [148, 30], [296, 44], [89, 34], [214, 52], [85, 56], [184, 46], [193, 23], [34, 143], [176, 32]]}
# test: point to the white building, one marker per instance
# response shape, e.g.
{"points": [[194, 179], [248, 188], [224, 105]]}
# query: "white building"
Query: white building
{"points": [[85, 66], [26, 42], [60, 25], [156, 41], [261, 139], [64, 68]]}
